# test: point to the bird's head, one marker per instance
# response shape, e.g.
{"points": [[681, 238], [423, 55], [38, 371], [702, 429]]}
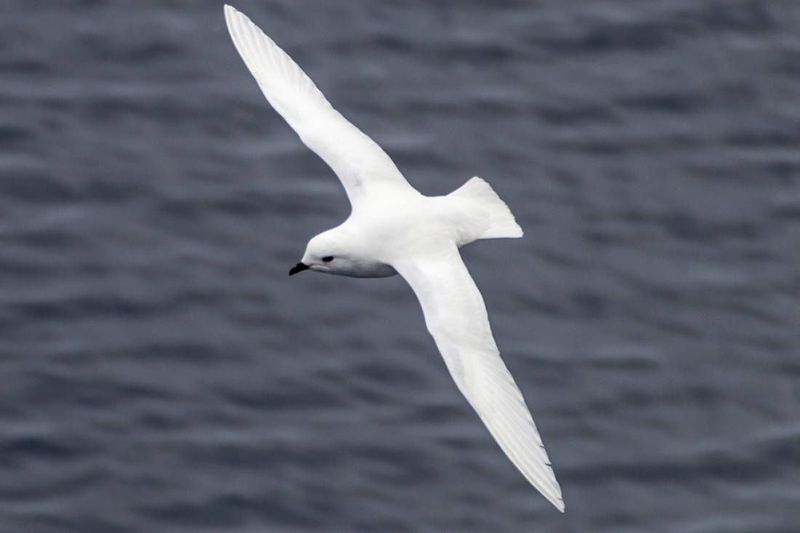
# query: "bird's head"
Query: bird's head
{"points": [[326, 252], [342, 251]]}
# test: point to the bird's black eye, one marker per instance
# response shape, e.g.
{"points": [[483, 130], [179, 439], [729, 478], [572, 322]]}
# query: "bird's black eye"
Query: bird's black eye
{"points": [[327, 258]]}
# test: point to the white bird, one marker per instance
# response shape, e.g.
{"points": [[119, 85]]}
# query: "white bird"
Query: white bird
{"points": [[394, 229]]}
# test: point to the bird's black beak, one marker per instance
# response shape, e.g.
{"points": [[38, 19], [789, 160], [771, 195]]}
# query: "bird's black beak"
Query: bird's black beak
{"points": [[299, 267]]}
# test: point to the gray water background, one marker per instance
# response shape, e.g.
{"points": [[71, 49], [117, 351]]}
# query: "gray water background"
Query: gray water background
{"points": [[160, 372]]}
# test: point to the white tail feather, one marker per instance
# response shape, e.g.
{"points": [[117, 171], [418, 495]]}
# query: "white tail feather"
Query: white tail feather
{"points": [[487, 216]]}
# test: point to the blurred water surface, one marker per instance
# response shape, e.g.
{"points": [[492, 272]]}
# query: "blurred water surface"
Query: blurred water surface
{"points": [[160, 372]]}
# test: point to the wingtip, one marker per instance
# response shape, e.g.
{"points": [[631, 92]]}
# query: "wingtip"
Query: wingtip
{"points": [[230, 12], [557, 499]]}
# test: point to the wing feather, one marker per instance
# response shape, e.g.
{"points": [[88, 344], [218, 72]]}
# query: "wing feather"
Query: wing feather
{"points": [[361, 165], [456, 317]]}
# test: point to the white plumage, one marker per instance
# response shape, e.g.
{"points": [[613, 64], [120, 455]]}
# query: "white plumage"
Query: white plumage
{"points": [[353, 156], [395, 229]]}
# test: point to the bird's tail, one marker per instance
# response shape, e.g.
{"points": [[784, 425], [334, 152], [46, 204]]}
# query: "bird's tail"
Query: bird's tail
{"points": [[483, 214]]}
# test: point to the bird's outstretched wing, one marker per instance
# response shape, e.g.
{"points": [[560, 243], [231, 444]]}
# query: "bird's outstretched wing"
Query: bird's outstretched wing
{"points": [[362, 166], [456, 318]]}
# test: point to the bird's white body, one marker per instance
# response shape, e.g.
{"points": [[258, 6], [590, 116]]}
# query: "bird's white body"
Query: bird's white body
{"points": [[407, 224], [393, 229]]}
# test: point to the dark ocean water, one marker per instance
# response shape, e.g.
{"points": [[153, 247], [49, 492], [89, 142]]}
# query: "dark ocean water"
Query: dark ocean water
{"points": [[160, 372]]}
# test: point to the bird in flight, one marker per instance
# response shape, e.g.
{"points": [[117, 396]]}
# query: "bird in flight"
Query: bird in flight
{"points": [[394, 229]]}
